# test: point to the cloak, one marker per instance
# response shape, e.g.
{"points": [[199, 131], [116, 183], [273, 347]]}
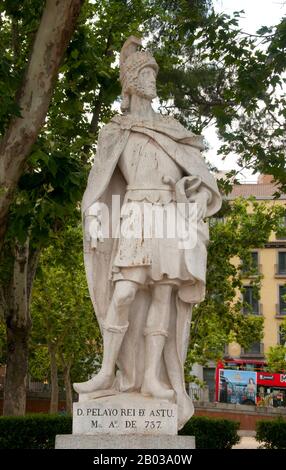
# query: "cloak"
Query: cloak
{"points": [[105, 180]]}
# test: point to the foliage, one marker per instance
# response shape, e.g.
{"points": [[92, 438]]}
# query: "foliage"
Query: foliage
{"points": [[219, 320], [272, 434], [211, 72], [36, 431], [39, 362], [276, 358], [18, 25], [212, 433], [55, 173], [62, 312]]}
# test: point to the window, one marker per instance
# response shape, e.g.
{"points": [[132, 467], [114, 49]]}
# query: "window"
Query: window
{"points": [[281, 335], [281, 262], [255, 349], [250, 300], [282, 300], [252, 264], [281, 234]]}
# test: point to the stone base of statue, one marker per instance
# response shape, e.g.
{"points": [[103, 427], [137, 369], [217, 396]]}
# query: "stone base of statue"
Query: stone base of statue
{"points": [[133, 441], [124, 421]]}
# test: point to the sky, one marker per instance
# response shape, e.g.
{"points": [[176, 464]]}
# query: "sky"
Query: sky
{"points": [[257, 13]]}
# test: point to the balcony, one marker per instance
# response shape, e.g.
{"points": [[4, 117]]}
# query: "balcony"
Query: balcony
{"points": [[255, 351]]}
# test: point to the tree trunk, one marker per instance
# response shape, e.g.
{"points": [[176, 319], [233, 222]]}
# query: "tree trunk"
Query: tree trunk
{"points": [[18, 324], [15, 38], [16, 372], [97, 107], [96, 112], [93, 128], [55, 30], [68, 388], [15, 308], [54, 403]]}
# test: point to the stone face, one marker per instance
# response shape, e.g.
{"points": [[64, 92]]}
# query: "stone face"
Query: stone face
{"points": [[132, 441], [125, 414]]}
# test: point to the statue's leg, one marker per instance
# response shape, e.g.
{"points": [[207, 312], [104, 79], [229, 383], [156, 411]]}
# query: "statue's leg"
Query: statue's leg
{"points": [[114, 329], [155, 336]]}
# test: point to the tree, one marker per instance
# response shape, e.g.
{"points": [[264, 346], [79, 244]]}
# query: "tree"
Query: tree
{"points": [[276, 356], [56, 168], [27, 91], [63, 320], [39, 361], [211, 72], [219, 319], [54, 174], [34, 93]]}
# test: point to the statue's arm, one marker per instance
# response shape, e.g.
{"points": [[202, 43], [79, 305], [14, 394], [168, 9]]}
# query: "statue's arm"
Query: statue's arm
{"points": [[191, 189]]}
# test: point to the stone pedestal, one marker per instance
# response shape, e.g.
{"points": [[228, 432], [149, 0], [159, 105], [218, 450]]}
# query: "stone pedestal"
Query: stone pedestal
{"points": [[124, 421], [131, 441]]}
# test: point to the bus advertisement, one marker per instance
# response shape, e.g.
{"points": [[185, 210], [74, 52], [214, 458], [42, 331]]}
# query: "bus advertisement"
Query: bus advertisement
{"points": [[249, 383], [237, 387]]}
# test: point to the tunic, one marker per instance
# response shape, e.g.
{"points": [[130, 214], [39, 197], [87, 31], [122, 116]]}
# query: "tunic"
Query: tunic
{"points": [[153, 254]]}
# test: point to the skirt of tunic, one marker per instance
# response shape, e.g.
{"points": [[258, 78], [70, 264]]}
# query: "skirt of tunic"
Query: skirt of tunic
{"points": [[154, 248]]}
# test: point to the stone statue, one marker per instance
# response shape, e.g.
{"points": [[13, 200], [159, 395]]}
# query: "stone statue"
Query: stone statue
{"points": [[143, 288]]}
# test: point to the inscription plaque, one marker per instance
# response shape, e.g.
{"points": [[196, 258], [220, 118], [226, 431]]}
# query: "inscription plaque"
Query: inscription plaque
{"points": [[114, 415]]}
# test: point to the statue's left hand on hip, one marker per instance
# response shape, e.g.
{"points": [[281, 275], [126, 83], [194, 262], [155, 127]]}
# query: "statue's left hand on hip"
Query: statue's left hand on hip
{"points": [[200, 198]]}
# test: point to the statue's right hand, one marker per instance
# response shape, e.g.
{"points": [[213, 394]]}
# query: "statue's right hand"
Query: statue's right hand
{"points": [[92, 230]]}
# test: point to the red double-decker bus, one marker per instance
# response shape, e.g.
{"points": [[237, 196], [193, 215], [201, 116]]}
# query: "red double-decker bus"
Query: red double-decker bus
{"points": [[248, 382]]}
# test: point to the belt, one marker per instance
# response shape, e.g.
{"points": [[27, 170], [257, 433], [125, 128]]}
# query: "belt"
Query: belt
{"points": [[131, 187]]}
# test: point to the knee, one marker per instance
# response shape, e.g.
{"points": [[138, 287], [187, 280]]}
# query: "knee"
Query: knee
{"points": [[124, 294]]}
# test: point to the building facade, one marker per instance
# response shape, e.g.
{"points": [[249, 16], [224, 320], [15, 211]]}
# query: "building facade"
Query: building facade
{"points": [[270, 262]]}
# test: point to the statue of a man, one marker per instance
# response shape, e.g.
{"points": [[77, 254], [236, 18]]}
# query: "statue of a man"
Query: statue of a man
{"points": [[143, 289]]}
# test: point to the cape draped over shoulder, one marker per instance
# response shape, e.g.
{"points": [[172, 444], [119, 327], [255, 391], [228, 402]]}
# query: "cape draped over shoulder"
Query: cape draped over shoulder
{"points": [[106, 180]]}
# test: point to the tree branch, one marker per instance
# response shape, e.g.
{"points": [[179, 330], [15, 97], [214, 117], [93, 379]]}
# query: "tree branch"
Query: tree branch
{"points": [[15, 38], [55, 30], [98, 103], [274, 118], [96, 112]]}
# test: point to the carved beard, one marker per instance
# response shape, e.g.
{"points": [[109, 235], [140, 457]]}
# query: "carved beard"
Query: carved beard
{"points": [[144, 92]]}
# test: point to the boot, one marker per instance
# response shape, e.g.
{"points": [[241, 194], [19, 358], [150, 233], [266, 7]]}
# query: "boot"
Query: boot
{"points": [[112, 340], [154, 344]]}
